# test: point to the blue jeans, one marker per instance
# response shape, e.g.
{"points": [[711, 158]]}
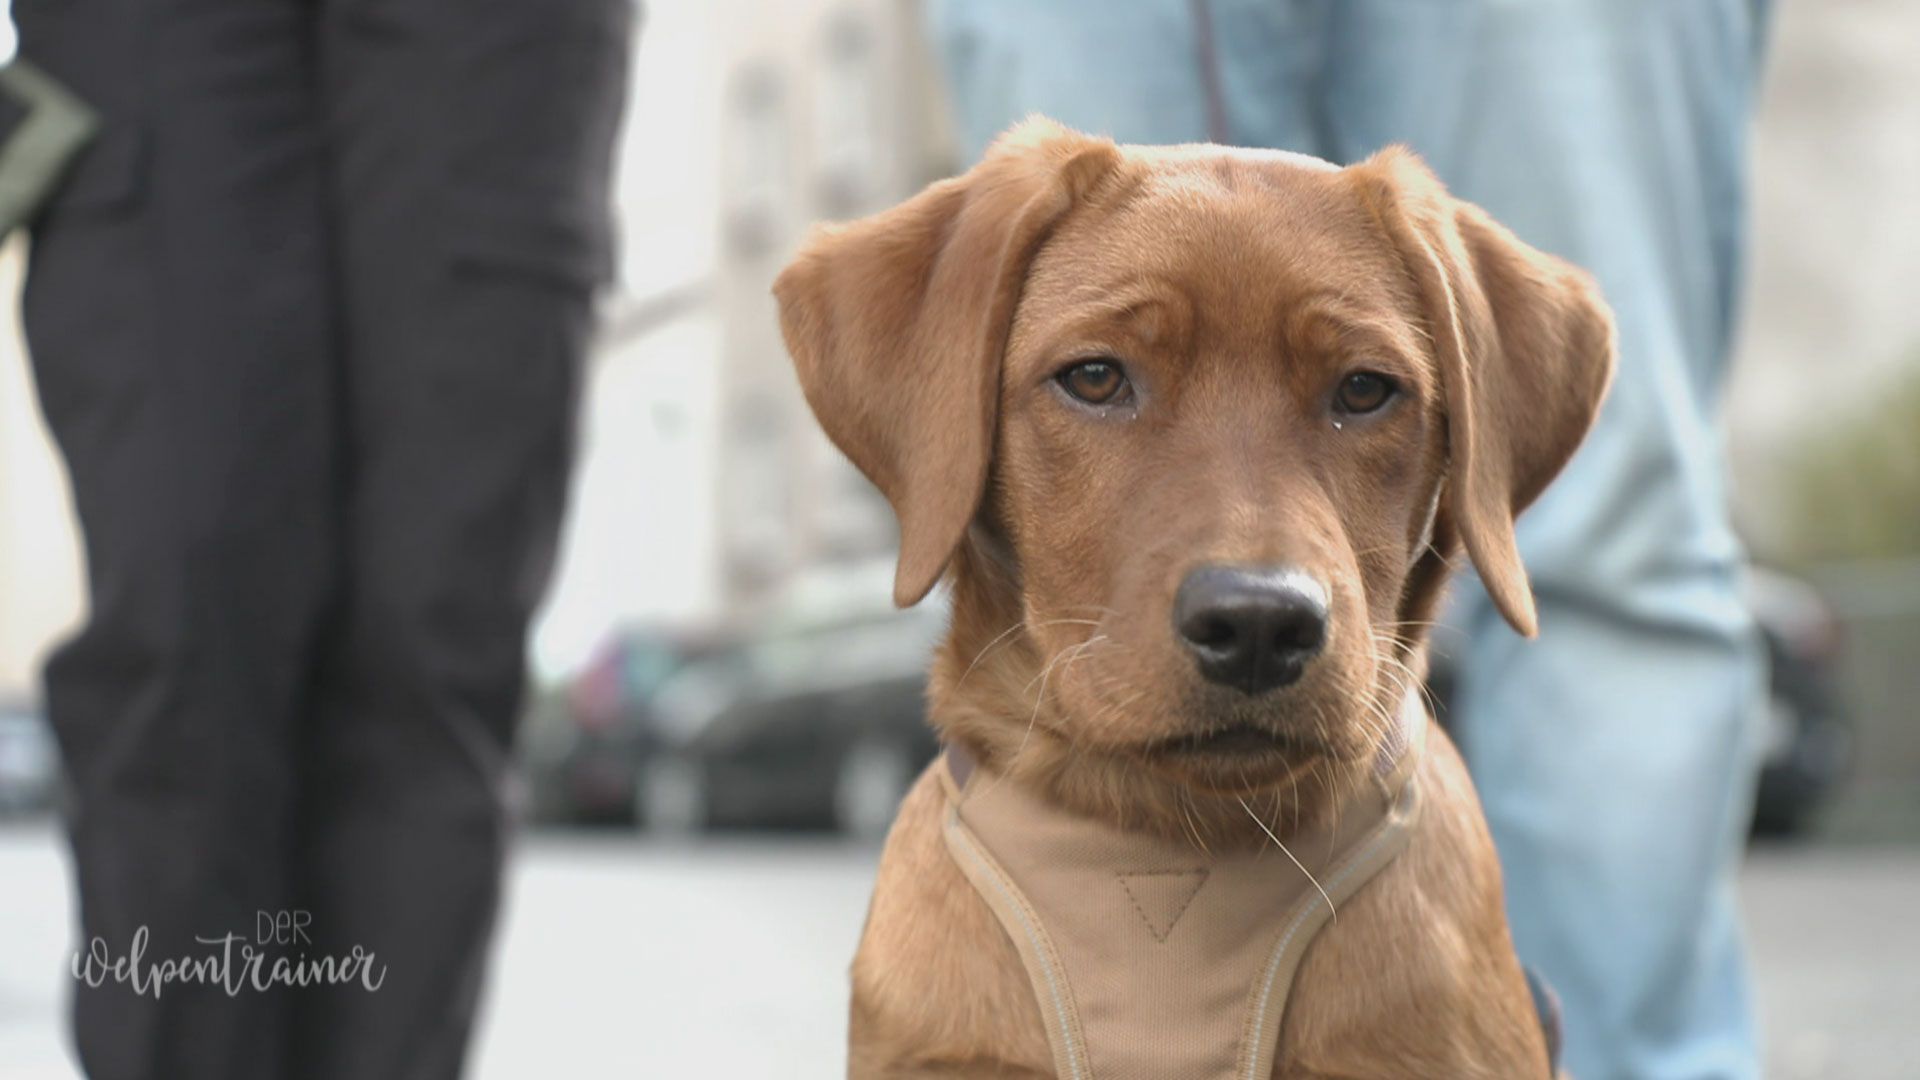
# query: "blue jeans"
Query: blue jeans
{"points": [[1615, 755]]}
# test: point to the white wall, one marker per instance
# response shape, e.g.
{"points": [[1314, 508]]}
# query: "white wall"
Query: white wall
{"points": [[642, 536], [40, 571]]}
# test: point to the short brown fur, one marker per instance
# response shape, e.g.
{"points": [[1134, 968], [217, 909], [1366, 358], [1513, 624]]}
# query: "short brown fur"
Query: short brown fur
{"points": [[1237, 288]]}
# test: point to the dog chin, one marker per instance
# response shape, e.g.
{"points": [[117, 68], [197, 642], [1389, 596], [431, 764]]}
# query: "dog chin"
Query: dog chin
{"points": [[1235, 760]]}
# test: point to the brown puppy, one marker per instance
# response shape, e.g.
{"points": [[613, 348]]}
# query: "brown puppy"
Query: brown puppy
{"points": [[1081, 373]]}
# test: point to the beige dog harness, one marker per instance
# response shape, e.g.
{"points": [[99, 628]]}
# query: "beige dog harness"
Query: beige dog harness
{"points": [[1151, 959]]}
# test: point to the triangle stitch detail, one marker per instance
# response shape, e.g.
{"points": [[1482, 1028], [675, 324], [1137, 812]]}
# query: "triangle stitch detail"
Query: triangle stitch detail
{"points": [[1161, 897]]}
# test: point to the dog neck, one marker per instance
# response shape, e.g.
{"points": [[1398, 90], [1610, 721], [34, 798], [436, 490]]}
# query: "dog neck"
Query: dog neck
{"points": [[1122, 793]]}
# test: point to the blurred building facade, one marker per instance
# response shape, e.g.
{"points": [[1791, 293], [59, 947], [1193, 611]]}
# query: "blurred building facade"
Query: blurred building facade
{"points": [[40, 594], [829, 112], [707, 493]]}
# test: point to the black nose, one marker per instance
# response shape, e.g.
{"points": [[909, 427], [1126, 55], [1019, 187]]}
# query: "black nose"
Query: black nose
{"points": [[1253, 628]]}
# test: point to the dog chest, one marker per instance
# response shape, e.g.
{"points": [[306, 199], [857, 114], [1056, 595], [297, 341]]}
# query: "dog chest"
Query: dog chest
{"points": [[1150, 958]]}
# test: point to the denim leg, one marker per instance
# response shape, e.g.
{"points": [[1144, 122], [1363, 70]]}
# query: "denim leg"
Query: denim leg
{"points": [[1137, 71], [1615, 755]]}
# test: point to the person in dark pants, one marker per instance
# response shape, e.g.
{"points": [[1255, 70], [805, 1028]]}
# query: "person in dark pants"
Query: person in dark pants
{"points": [[308, 323]]}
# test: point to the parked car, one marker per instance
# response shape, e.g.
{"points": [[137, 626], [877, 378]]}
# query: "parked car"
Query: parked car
{"points": [[29, 760], [585, 746], [1809, 738], [1809, 747], [814, 726]]}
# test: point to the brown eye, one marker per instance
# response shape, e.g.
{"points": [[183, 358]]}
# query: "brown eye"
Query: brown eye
{"points": [[1096, 382], [1363, 392]]}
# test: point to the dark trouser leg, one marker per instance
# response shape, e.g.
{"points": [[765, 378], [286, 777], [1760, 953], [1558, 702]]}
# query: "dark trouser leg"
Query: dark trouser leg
{"points": [[471, 147], [176, 307]]}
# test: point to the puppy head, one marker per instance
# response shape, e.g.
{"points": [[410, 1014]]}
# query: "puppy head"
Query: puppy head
{"points": [[1197, 429]]}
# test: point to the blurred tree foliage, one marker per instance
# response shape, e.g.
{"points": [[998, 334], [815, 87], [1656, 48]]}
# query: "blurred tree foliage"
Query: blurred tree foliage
{"points": [[1855, 493]]}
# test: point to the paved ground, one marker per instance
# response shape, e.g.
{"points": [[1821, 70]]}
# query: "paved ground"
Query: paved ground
{"points": [[630, 960]]}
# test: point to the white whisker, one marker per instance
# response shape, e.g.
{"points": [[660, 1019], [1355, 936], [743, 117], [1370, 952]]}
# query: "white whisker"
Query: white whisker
{"points": [[1283, 850]]}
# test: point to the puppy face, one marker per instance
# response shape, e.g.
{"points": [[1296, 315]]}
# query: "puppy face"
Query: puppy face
{"points": [[1219, 454], [1196, 430]]}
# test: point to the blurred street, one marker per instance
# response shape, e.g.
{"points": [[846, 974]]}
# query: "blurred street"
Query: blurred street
{"points": [[726, 959]]}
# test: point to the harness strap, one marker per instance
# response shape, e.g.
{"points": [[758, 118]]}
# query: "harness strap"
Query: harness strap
{"points": [[1148, 957]]}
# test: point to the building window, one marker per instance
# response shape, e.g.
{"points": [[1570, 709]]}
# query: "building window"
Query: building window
{"points": [[848, 124], [758, 150]]}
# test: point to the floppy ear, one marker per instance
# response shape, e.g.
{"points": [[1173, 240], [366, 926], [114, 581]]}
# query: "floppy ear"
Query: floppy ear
{"points": [[1524, 346], [896, 324]]}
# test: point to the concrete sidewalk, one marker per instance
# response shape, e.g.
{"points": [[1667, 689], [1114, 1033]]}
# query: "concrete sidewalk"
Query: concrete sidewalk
{"points": [[629, 959]]}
